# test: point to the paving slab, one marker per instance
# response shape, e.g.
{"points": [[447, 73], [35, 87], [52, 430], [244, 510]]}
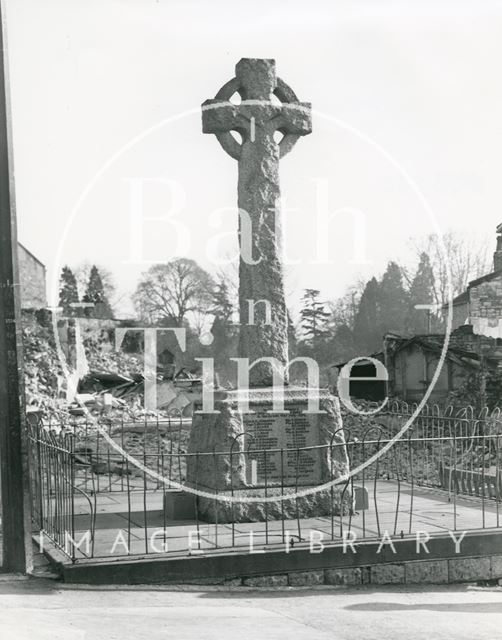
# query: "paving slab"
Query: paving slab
{"points": [[431, 510]]}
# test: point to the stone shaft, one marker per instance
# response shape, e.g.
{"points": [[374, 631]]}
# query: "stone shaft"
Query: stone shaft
{"points": [[261, 285], [258, 195]]}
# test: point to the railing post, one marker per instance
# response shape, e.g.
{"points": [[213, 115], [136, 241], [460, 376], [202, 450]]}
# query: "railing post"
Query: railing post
{"points": [[71, 449], [40, 497]]}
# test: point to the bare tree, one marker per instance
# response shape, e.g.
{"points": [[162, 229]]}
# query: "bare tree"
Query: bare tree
{"points": [[344, 309], [466, 259], [173, 290]]}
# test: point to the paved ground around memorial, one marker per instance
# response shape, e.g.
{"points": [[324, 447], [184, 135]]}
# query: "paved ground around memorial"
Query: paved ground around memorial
{"points": [[430, 510], [44, 610]]}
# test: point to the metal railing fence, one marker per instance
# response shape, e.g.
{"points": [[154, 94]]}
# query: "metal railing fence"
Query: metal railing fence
{"points": [[447, 458]]}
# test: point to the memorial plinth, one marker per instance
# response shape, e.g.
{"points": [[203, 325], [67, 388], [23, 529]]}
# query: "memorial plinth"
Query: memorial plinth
{"points": [[259, 453]]}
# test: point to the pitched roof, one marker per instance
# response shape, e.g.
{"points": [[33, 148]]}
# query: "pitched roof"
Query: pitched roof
{"points": [[361, 360], [462, 298], [434, 343], [486, 278]]}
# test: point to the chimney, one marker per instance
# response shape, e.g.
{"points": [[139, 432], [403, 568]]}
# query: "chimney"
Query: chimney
{"points": [[497, 256]]}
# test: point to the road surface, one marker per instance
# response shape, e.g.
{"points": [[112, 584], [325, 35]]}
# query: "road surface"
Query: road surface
{"points": [[34, 609]]}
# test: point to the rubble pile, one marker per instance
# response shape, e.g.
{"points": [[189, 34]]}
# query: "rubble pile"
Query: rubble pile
{"points": [[121, 375], [43, 375], [46, 385], [102, 356], [357, 425], [159, 450]]}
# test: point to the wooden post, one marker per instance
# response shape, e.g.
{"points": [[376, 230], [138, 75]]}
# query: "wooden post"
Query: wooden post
{"points": [[16, 522]]}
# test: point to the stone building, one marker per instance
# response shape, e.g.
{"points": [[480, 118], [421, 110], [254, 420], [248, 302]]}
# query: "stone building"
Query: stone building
{"points": [[480, 305], [474, 356], [412, 363], [473, 361], [32, 276]]}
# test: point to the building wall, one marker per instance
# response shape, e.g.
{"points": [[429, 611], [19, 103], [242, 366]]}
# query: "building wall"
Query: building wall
{"points": [[486, 307], [414, 370], [32, 278]]}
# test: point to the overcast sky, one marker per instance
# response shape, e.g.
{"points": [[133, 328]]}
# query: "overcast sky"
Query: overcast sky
{"points": [[406, 88]]}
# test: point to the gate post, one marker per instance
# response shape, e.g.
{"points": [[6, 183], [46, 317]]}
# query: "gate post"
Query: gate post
{"points": [[14, 476]]}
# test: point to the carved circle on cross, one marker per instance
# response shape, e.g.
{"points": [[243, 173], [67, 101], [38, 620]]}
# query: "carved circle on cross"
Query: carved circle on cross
{"points": [[255, 82], [283, 92]]}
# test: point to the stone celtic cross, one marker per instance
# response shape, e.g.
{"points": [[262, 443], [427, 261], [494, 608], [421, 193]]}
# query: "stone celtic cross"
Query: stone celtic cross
{"points": [[267, 106]]}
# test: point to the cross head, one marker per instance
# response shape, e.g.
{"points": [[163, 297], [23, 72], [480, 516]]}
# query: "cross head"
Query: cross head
{"points": [[267, 105]]}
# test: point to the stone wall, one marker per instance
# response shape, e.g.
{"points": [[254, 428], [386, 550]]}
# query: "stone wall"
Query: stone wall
{"points": [[486, 307], [472, 569], [473, 556], [448, 571], [467, 340], [486, 299], [483, 309]]}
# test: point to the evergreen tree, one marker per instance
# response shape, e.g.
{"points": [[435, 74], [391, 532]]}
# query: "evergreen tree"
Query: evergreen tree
{"points": [[222, 306], [68, 291], [421, 292], [342, 346], [314, 317], [292, 340], [393, 301], [95, 294], [226, 334], [223, 348], [367, 329]]}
